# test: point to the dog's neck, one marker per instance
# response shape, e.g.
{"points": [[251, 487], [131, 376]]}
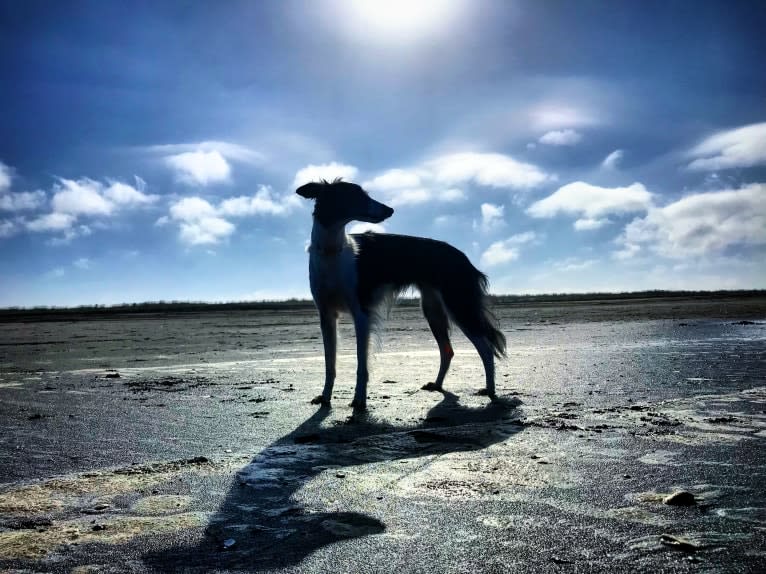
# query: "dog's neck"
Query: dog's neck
{"points": [[328, 241]]}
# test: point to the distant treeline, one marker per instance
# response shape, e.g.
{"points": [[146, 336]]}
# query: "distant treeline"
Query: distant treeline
{"points": [[170, 307]]}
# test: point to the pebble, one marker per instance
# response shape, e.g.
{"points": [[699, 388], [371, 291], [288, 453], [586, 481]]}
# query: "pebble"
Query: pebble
{"points": [[229, 542], [680, 498]]}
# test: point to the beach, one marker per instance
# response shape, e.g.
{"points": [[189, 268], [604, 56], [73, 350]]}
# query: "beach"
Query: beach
{"points": [[630, 437]]}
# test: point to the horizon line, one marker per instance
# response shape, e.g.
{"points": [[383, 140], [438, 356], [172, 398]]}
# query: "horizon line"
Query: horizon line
{"points": [[554, 295]]}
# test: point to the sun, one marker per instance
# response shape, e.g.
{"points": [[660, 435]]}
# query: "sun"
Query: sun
{"points": [[397, 21]]}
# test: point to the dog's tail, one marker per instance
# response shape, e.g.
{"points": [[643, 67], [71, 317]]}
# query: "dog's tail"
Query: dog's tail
{"points": [[489, 326], [467, 301]]}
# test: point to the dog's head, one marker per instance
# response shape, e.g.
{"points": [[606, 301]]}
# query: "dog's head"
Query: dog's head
{"points": [[339, 202]]}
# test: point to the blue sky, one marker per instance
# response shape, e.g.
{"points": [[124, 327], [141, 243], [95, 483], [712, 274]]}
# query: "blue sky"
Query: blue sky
{"points": [[150, 150]]}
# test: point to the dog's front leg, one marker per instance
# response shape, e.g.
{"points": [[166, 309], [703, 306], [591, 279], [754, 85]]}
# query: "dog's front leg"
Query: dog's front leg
{"points": [[328, 320], [362, 329]]}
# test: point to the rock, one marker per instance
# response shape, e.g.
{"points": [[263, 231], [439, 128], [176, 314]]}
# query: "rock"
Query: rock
{"points": [[680, 498]]}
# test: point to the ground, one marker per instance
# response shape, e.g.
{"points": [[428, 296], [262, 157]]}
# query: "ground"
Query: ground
{"points": [[187, 442]]}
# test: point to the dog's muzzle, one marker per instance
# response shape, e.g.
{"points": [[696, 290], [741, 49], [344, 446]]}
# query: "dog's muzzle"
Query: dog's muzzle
{"points": [[380, 212]]}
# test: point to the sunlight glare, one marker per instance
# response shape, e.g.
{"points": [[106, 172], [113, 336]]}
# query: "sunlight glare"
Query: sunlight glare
{"points": [[397, 21]]}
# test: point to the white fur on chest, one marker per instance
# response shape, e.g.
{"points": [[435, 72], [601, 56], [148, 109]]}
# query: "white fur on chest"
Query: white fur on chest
{"points": [[333, 277]]}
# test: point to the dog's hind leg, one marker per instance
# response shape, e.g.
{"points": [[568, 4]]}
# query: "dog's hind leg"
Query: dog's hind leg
{"points": [[362, 329], [487, 358], [328, 321], [436, 315]]}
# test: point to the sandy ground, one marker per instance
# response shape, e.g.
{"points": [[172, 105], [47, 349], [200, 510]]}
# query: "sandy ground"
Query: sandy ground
{"points": [[187, 443]]}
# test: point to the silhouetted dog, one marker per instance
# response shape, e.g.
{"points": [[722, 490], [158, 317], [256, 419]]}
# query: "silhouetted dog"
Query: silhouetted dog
{"points": [[363, 273]]}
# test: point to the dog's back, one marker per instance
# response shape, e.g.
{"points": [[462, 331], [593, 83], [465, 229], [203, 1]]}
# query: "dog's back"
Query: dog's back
{"points": [[396, 262]]}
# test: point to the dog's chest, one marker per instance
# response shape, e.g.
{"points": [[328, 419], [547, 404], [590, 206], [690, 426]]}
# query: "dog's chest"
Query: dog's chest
{"points": [[333, 278]]}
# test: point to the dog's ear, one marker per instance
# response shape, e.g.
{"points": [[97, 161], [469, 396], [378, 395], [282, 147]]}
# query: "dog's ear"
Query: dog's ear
{"points": [[309, 190]]}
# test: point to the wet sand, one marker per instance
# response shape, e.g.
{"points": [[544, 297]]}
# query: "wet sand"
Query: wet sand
{"points": [[186, 442]]}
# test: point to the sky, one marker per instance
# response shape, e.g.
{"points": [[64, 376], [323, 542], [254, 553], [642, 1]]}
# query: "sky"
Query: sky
{"points": [[151, 150]]}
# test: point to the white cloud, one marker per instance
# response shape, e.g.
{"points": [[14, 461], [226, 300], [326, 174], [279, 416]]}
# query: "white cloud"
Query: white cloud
{"points": [[408, 196], [452, 194], [441, 178], [588, 224], [199, 222], [81, 197], [5, 177], [190, 208], [263, 202], [202, 223], [394, 179], [613, 159], [505, 251], [91, 198], [491, 217], [628, 251], [591, 203], [700, 224], [741, 147], [486, 169], [56, 273], [205, 163], [411, 187], [71, 200], [441, 220], [200, 168], [228, 150], [52, 222], [574, 264], [361, 227], [82, 263], [69, 234], [560, 137], [123, 194], [205, 230], [549, 116], [326, 171], [7, 228], [22, 201]]}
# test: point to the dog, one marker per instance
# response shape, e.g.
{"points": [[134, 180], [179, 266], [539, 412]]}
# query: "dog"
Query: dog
{"points": [[363, 273]]}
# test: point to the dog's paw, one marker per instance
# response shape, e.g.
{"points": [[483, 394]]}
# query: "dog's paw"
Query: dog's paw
{"points": [[320, 400], [431, 387], [358, 405]]}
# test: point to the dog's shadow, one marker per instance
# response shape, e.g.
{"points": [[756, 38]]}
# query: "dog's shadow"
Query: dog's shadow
{"points": [[261, 526]]}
